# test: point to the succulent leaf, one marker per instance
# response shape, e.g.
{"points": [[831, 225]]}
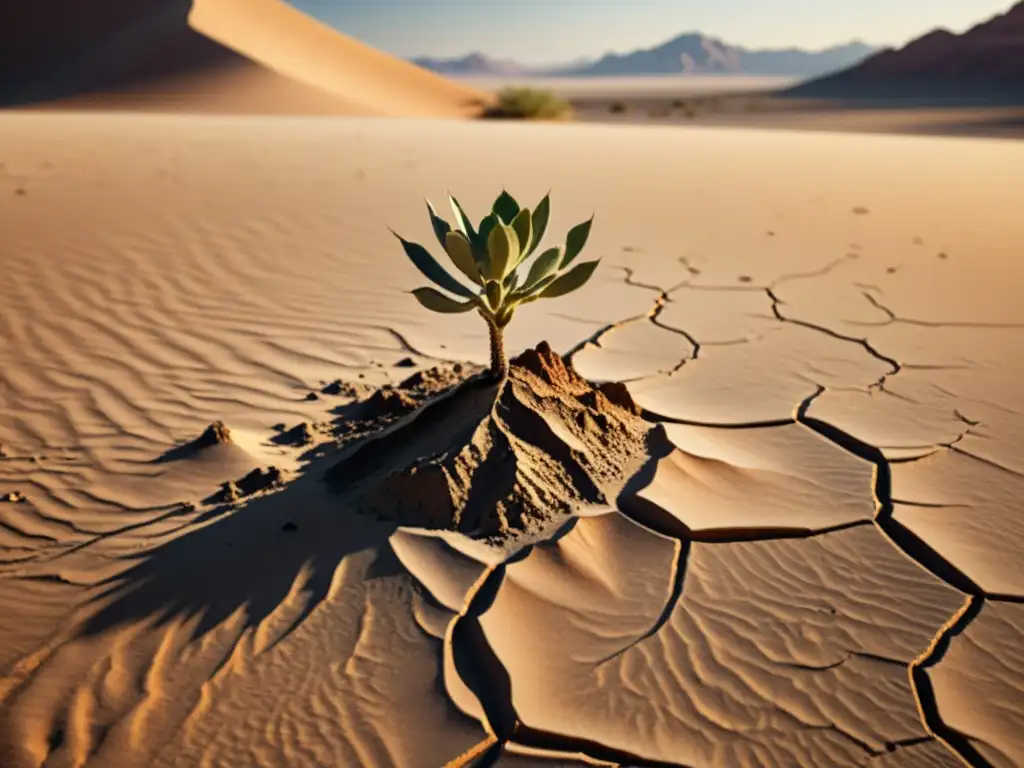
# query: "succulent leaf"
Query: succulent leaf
{"points": [[575, 240], [534, 291], [494, 294], [502, 246], [436, 301], [540, 217], [428, 265], [523, 227], [480, 249], [461, 219], [460, 251], [505, 207], [543, 265], [571, 280], [441, 227]]}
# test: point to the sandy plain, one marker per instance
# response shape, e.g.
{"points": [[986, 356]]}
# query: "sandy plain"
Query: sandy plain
{"points": [[819, 565], [736, 101], [827, 325]]}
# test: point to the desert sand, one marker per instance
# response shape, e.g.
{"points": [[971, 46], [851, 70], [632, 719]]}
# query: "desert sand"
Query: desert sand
{"points": [[754, 501], [823, 567], [223, 56]]}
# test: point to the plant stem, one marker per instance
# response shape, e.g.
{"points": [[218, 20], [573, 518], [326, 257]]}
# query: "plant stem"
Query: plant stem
{"points": [[499, 363]]}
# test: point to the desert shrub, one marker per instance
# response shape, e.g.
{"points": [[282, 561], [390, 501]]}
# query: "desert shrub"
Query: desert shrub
{"points": [[497, 257], [529, 104], [617, 108]]}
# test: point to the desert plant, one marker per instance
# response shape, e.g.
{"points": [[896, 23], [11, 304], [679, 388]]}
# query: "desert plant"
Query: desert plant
{"points": [[529, 104], [617, 108], [493, 257]]}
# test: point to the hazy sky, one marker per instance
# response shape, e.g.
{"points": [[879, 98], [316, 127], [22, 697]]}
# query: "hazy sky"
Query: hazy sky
{"points": [[560, 30]]}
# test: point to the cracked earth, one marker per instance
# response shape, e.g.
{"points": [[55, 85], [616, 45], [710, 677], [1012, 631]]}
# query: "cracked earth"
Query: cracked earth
{"points": [[822, 568]]}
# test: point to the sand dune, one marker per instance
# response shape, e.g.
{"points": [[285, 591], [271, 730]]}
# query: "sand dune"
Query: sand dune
{"points": [[815, 564], [228, 56]]}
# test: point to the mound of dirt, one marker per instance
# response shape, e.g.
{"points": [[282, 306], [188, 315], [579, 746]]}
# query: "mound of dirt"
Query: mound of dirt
{"points": [[488, 459]]}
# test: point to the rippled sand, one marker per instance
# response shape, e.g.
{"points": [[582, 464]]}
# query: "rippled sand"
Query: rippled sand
{"points": [[824, 569]]}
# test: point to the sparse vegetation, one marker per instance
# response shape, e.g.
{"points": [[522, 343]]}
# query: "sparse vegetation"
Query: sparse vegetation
{"points": [[529, 104], [617, 108], [491, 256]]}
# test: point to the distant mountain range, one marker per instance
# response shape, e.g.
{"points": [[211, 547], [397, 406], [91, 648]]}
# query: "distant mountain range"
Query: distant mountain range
{"points": [[689, 53], [987, 60]]}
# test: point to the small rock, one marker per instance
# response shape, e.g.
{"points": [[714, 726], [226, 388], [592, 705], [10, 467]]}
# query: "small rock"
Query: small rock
{"points": [[229, 492], [388, 401], [20, 192], [943, 255], [312, 396], [918, 241], [336, 387], [15, 497], [289, 527], [346, 389], [260, 479], [770, 233], [891, 271], [860, 210], [215, 434], [406, 362], [457, 368], [301, 434], [745, 278]]}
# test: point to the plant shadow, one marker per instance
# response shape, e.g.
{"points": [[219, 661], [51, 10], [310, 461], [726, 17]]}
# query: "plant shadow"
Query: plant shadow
{"points": [[248, 557]]}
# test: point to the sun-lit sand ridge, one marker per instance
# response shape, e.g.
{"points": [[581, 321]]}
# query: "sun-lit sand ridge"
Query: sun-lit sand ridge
{"points": [[235, 56], [820, 567]]}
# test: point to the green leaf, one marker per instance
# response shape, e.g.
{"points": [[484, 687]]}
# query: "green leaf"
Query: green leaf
{"points": [[524, 231], [531, 292], [511, 281], [575, 240], [571, 280], [441, 227], [437, 302], [505, 207], [461, 219], [541, 214], [483, 258], [494, 294], [502, 246], [542, 267], [426, 264], [460, 251]]}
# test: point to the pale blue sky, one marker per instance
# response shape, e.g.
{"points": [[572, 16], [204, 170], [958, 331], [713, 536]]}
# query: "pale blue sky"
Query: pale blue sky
{"points": [[561, 30]]}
